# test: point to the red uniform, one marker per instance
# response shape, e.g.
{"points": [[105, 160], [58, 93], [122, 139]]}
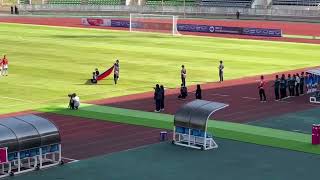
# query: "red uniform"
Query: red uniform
{"points": [[5, 61]]}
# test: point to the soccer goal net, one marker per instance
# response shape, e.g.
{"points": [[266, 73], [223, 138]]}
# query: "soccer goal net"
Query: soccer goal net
{"points": [[154, 23]]}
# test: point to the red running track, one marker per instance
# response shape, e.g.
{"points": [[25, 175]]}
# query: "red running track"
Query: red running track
{"points": [[240, 94], [84, 138]]}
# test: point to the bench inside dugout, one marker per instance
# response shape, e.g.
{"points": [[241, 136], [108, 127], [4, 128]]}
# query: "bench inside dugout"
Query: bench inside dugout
{"points": [[190, 124]]}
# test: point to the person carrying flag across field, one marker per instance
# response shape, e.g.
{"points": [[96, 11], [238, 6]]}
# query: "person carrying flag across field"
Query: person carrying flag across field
{"points": [[4, 63], [262, 92], [116, 71]]}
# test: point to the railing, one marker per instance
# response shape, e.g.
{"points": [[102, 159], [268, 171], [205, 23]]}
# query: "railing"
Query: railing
{"points": [[198, 10]]}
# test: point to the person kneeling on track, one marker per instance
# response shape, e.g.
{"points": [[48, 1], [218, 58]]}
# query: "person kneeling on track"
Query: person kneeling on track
{"points": [[183, 92]]}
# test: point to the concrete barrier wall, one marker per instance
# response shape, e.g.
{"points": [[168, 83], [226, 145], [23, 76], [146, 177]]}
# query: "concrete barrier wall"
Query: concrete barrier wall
{"points": [[197, 10]]}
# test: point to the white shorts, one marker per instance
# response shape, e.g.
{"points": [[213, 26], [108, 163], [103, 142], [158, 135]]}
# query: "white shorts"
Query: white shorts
{"points": [[5, 66]]}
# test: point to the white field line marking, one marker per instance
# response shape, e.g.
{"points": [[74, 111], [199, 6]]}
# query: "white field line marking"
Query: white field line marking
{"points": [[72, 160], [16, 99], [223, 95], [252, 98]]}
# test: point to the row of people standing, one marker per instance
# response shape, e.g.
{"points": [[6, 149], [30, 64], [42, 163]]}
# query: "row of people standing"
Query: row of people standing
{"points": [[294, 84], [159, 95]]}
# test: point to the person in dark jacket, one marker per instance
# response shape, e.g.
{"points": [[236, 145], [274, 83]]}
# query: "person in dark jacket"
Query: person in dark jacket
{"points": [[157, 98], [238, 14], [302, 79], [291, 82], [94, 78], [276, 87], [198, 92], [162, 99], [283, 87], [97, 72], [183, 92]]}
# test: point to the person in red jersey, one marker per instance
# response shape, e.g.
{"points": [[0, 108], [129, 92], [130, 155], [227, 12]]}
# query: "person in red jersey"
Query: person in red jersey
{"points": [[4, 63], [262, 92]]}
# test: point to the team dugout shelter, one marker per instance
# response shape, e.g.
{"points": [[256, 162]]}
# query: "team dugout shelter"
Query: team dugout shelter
{"points": [[312, 81], [190, 124], [28, 143]]}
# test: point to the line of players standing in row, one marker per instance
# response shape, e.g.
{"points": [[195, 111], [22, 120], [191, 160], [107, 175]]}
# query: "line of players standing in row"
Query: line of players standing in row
{"points": [[295, 84], [285, 87]]}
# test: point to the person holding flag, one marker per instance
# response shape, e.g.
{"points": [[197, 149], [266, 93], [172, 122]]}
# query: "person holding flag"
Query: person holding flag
{"points": [[116, 71]]}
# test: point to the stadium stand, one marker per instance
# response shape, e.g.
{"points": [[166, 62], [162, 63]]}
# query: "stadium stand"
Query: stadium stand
{"points": [[90, 2], [24, 1], [297, 2], [106, 2], [170, 2], [64, 1], [227, 3]]}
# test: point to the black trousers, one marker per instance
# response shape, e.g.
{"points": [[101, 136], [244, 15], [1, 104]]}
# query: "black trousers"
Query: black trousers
{"points": [[221, 75], [262, 95], [283, 93], [301, 88], [297, 89], [183, 81], [291, 90], [276, 93], [158, 104], [162, 104]]}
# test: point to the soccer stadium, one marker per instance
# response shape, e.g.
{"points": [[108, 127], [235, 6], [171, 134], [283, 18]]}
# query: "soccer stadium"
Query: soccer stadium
{"points": [[159, 89]]}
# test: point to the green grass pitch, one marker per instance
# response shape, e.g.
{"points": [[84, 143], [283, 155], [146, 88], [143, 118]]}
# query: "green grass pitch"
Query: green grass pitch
{"points": [[47, 63]]}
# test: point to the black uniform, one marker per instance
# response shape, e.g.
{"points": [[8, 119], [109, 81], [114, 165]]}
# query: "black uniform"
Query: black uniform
{"points": [[301, 84], [276, 88], [162, 98], [183, 92], [198, 94], [291, 83], [283, 88], [157, 98]]}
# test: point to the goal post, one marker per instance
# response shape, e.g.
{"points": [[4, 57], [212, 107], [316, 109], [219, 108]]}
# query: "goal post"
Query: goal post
{"points": [[154, 23]]}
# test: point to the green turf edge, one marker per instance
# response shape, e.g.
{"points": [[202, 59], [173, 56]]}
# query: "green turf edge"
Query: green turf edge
{"points": [[227, 130]]}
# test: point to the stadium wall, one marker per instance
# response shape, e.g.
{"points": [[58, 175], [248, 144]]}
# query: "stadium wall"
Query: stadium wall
{"points": [[187, 12]]}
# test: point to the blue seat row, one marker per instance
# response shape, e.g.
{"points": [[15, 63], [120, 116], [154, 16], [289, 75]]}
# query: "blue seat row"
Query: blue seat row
{"points": [[194, 132], [33, 152]]}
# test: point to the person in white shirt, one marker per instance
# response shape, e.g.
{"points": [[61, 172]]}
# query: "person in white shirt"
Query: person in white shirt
{"points": [[297, 84], [76, 101]]}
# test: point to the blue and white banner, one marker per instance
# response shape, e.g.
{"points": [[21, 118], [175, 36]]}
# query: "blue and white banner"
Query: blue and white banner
{"points": [[191, 27]]}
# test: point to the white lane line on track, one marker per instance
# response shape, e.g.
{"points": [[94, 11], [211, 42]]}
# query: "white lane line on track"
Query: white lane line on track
{"points": [[223, 95], [251, 98], [69, 159]]}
